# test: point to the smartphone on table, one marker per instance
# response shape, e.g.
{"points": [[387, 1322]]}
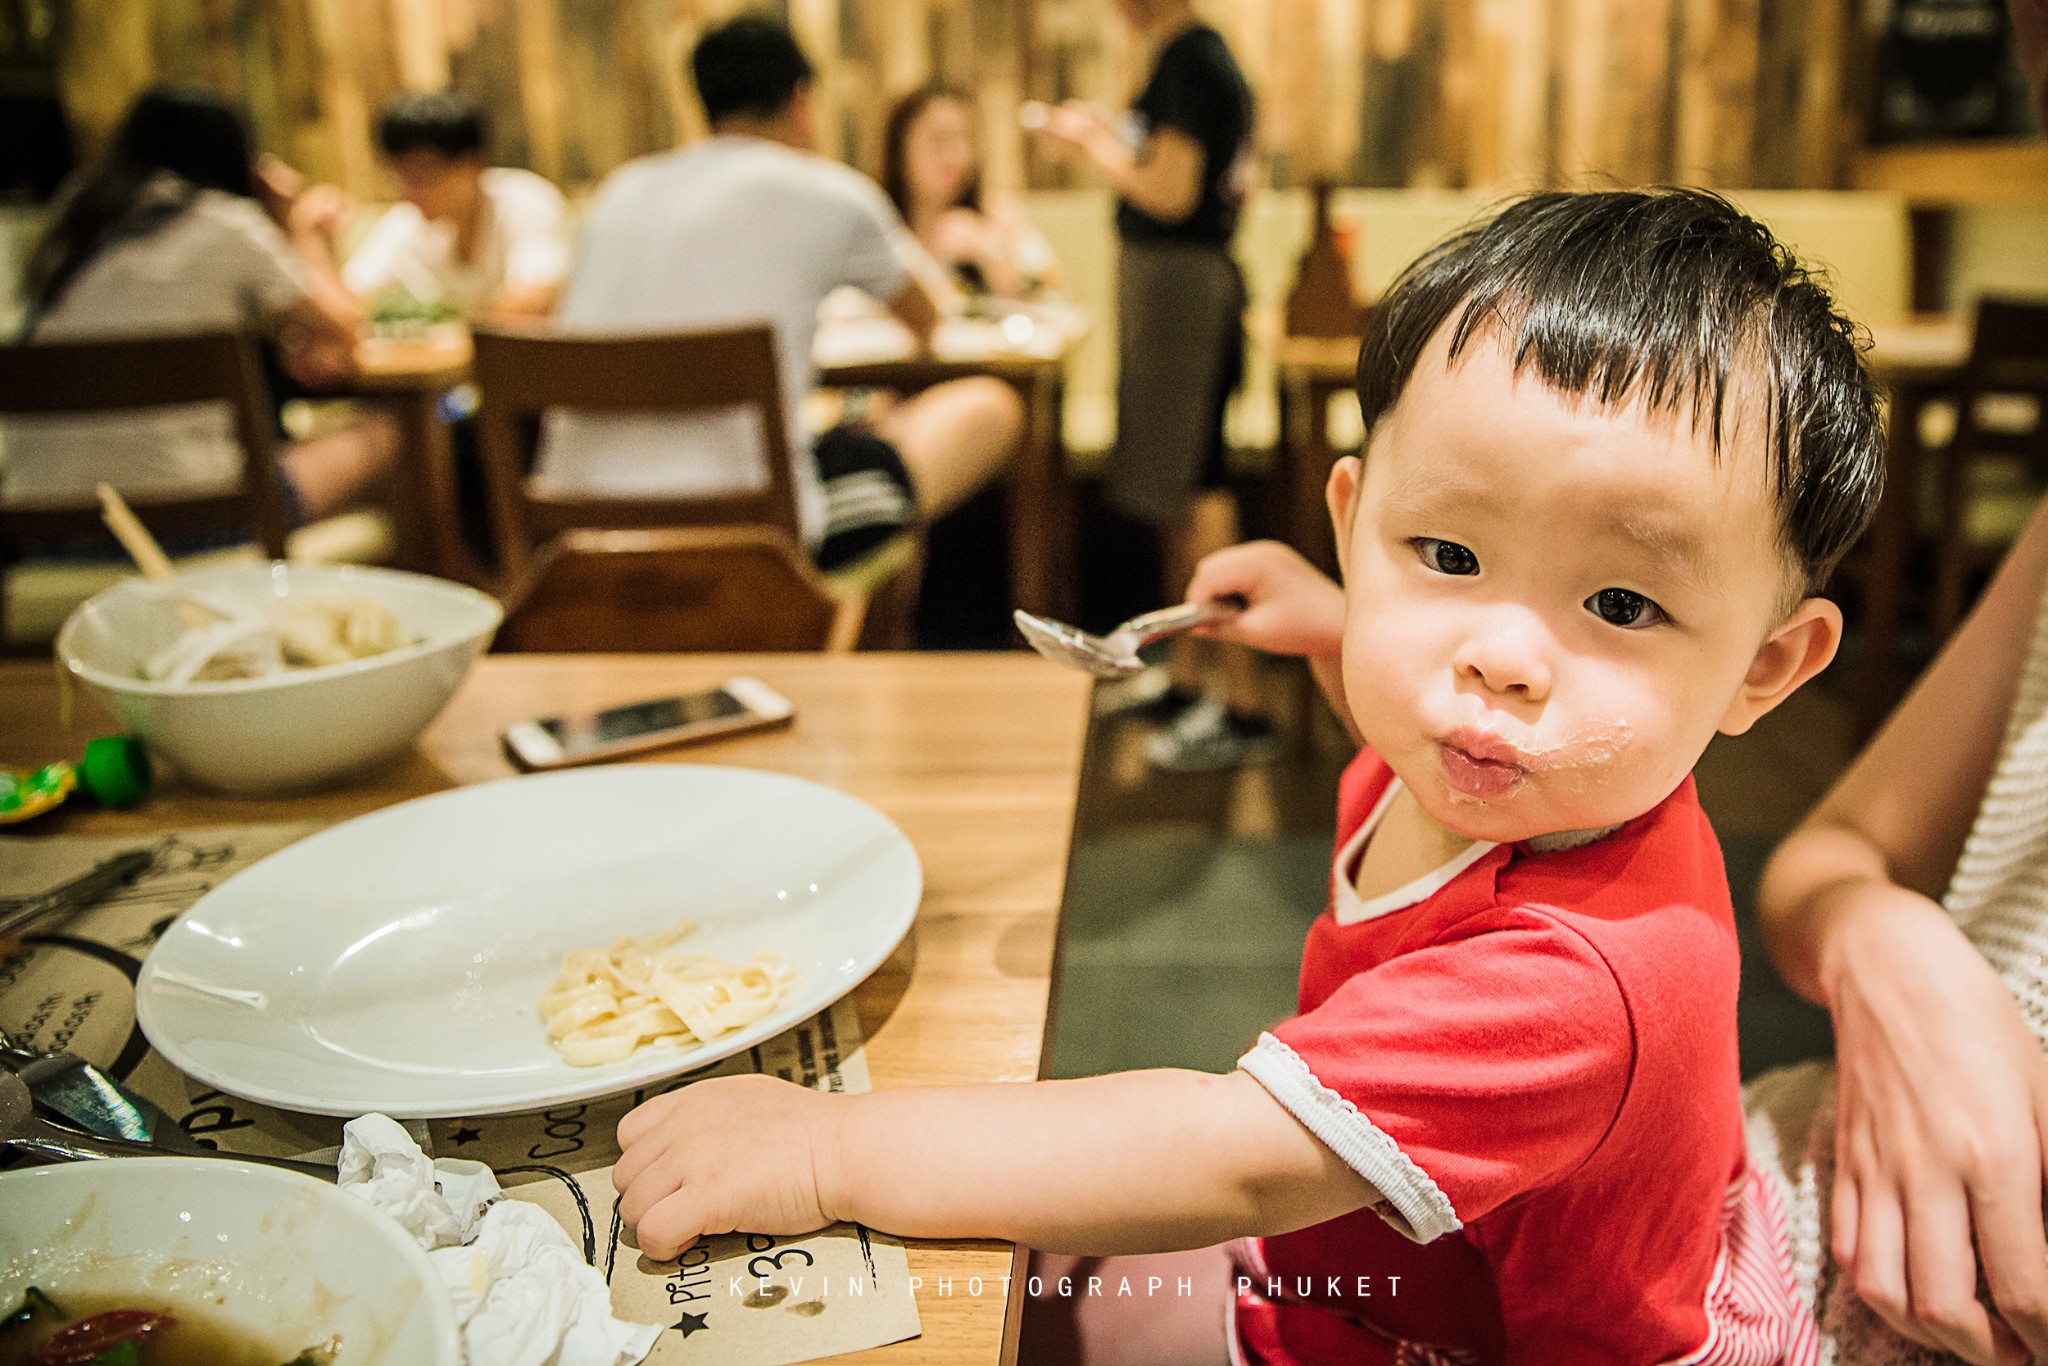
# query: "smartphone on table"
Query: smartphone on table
{"points": [[738, 704]]}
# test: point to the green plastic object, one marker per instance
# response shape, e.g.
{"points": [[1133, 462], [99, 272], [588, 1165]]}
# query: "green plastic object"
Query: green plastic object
{"points": [[114, 770]]}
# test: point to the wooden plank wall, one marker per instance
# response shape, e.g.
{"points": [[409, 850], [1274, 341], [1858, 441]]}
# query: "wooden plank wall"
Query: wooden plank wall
{"points": [[1371, 92]]}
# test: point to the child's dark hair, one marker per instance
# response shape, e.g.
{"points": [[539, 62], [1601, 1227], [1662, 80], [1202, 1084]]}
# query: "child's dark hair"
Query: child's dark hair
{"points": [[748, 66], [441, 122], [1660, 297]]}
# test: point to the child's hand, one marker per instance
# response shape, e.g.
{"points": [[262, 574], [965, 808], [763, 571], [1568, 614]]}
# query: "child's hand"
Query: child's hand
{"points": [[725, 1155], [1292, 607]]}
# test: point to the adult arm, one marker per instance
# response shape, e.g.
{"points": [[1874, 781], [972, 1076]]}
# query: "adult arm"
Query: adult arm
{"points": [[1942, 1088], [917, 307], [1162, 177], [284, 253], [535, 220], [320, 331]]}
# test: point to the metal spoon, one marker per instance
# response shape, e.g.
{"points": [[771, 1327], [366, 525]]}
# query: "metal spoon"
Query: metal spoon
{"points": [[1116, 654], [22, 1131], [88, 887], [82, 1094]]}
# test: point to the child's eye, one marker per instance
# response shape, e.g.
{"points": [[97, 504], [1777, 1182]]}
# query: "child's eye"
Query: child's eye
{"points": [[1446, 557], [1619, 607]]}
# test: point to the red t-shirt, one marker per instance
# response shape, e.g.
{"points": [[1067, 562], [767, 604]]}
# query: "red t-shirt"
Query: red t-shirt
{"points": [[1533, 1057]]}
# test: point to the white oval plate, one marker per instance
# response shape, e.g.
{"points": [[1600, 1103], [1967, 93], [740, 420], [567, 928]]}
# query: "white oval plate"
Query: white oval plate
{"points": [[393, 963]]}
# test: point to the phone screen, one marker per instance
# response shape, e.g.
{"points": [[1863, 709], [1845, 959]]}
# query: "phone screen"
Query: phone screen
{"points": [[582, 734]]}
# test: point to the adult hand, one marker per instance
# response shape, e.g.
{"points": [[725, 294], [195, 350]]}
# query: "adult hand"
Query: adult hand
{"points": [[1073, 128], [277, 184], [724, 1155], [1942, 1094], [959, 235], [1292, 608], [319, 209]]}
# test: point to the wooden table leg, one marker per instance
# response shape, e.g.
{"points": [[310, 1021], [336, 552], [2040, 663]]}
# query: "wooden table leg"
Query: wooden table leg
{"points": [[431, 529], [1041, 512], [1891, 540]]}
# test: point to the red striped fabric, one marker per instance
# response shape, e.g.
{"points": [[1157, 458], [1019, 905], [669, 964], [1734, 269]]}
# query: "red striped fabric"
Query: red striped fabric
{"points": [[1754, 1314]]}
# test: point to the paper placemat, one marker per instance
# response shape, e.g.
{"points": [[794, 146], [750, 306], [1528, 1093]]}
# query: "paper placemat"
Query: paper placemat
{"points": [[743, 1299]]}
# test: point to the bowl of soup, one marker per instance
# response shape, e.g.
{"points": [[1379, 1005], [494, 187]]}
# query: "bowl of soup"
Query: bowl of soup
{"points": [[210, 1262]]}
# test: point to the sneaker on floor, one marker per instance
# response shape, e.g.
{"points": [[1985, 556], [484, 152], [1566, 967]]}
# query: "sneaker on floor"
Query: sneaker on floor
{"points": [[1209, 736], [1148, 696]]}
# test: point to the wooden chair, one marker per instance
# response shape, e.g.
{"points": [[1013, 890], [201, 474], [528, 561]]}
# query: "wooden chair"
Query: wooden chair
{"points": [[58, 378], [702, 589], [2007, 369], [520, 375]]}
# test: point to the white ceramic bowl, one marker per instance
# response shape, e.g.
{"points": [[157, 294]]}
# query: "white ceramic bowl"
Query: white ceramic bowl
{"points": [[293, 731], [276, 1254]]}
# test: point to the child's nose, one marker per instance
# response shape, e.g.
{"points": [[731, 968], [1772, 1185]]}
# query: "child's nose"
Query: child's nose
{"points": [[1505, 653]]}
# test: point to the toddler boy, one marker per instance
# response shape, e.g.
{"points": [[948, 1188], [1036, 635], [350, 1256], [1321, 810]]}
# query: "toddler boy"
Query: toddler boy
{"points": [[1615, 443]]}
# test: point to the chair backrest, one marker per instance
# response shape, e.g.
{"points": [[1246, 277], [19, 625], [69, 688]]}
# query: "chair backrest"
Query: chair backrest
{"points": [[68, 378], [45, 379], [689, 589], [2002, 402], [521, 374], [2009, 346]]}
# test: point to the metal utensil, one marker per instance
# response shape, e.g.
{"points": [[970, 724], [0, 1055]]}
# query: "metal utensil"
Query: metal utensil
{"points": [[1116, 654], [80, 892], [77, 1092], [22, 1131]]}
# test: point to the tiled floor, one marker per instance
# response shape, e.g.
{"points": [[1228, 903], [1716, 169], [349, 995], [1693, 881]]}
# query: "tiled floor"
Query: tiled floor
{"points": [[1188, 897]]}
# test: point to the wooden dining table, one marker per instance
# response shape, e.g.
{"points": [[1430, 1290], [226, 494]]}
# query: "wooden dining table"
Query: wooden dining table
{"points": [[411, 374], [975, 757]]}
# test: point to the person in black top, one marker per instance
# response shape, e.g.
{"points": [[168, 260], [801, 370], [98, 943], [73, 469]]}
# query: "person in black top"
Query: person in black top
{"points": [[1179, 172]]}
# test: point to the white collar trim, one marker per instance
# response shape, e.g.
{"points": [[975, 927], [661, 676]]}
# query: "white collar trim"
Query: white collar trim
{"points": [[1350, 907]]}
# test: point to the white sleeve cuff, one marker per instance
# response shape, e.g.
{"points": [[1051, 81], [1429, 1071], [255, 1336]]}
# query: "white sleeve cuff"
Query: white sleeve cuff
{"points": [[1415, 1206]]}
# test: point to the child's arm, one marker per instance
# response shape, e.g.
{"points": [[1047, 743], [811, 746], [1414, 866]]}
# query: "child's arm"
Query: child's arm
{"points": [[1133, 1162], [1293, 609]]}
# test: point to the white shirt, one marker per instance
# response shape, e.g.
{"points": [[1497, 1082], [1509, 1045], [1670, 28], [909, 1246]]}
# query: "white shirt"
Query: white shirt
{"points": [[219, 265], [522, 243], [732, 231]]}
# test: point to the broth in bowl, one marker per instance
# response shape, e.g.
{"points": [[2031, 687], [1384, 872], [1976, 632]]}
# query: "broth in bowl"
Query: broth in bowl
{"points": [[136, 1330]]}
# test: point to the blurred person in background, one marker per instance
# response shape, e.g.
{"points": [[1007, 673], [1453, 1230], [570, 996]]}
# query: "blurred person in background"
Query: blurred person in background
{"points": [[1179, 175], [175, 229], [751, 226], [931, 169], [486, 243]]}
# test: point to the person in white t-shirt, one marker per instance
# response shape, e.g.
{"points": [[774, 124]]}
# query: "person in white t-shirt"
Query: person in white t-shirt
{"points": [[486, 241], [751, 226]]}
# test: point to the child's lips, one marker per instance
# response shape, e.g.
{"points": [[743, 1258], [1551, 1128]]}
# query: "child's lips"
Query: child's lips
{"points": [[1480, 765]]}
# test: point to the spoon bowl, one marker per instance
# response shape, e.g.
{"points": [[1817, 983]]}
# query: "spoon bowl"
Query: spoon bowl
{"points": [[1116, 654], [24, 1131]]}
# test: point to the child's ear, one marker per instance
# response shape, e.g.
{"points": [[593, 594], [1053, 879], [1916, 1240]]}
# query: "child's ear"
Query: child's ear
{"points": [[1801, 647], [1341, 493]]}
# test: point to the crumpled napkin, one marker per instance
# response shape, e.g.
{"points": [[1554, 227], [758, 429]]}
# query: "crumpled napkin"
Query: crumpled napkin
{"points": [[523, 1294]]}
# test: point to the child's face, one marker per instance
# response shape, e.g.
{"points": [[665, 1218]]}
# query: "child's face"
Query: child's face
{"points": [[1552, 605]]}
